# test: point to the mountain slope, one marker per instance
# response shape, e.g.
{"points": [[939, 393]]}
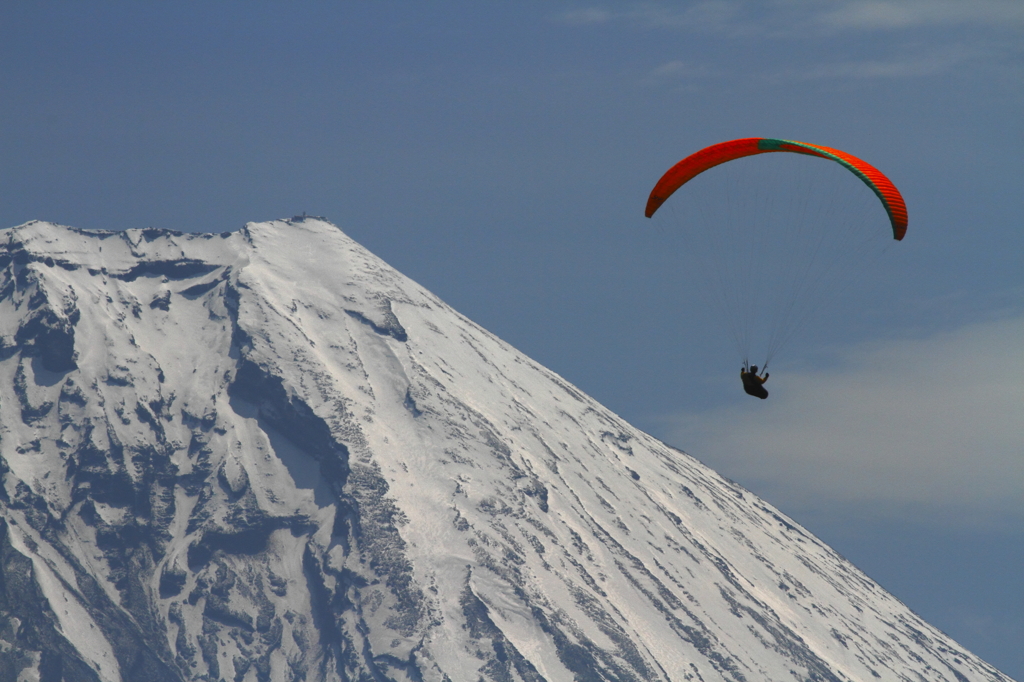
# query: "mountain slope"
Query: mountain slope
{"points": [[266, 455]]}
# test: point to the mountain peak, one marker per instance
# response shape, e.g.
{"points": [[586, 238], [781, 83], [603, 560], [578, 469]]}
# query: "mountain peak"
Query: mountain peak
{"points": [[267, 455]]}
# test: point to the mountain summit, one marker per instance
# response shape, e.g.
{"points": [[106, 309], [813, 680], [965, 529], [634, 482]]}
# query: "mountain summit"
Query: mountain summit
{"points": [[265, 455]]}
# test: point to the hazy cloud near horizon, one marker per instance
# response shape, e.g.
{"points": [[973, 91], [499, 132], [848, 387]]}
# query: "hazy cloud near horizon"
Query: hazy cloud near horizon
{"points": [[952, 451]]}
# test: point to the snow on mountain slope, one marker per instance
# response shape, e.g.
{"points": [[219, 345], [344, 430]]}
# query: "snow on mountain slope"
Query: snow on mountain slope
{"points": [[266, 455]]}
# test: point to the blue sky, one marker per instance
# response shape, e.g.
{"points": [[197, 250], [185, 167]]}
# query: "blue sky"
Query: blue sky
{"points": [[501, 155]]}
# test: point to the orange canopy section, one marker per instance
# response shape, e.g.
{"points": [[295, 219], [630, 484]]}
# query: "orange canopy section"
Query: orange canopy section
{"points": [[716, 154]]}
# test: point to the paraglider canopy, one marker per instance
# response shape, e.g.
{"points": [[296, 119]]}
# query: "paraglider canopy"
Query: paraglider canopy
{"points": [[716, 154]]}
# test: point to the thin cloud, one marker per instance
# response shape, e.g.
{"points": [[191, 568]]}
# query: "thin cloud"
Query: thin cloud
{"points": [[934, 425], [869, 15], [583, 17], [786, 18], [709, 15], [910, 66], [678, 70], [809, 22]]}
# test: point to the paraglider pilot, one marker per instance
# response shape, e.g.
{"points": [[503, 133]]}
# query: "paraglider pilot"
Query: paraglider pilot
{"points": [[752, 383]]}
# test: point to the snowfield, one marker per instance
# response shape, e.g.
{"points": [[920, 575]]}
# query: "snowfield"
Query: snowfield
{"points": [[267, 455]]}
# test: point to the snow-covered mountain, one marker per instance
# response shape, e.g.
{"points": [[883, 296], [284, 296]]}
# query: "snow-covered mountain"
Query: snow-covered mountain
{"points": [[267, 455]]}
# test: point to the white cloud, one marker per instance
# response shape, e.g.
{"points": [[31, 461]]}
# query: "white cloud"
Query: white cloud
{"points": [[711, 14], [868, 14], [783, 18], [678, 70], [800, 23], [590, 15], [931, 425], [909, 66]]}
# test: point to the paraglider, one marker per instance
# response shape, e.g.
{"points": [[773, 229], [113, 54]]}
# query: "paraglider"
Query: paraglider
{"points": [[752, 383], [768, 263]]}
